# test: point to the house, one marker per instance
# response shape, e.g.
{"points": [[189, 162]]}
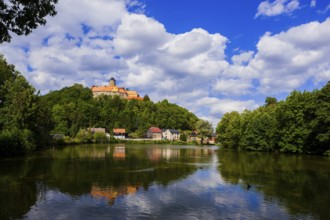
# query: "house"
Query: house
{"points": [[112, 89], [193, 136], [154, 133], [171, 134], [119, 133], [93, 130]]}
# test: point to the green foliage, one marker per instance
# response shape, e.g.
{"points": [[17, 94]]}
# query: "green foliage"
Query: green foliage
{"points": [[21, 16], [84, 136], [229, 130], [74, 107], [183, 137], [99, 137], [27, 118], [204, 128], [300, 124], [270, 101]]}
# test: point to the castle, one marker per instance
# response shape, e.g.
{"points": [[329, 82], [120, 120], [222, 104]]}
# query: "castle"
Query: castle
{"points": [[112, 89]]}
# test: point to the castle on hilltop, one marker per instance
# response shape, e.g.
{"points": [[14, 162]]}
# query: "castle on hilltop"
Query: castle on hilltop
{"points": [[112, 89]]}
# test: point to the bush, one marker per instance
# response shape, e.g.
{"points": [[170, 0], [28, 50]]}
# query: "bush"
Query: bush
{"points": [[99, 137], [16, 141], [83, 136]]}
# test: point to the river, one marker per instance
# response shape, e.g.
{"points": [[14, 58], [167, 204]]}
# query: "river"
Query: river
{"points": [[163, 182]]}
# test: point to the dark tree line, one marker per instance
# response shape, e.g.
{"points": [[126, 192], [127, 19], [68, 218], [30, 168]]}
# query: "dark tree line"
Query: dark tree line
{"points": [[24, 121], [299, 124]]}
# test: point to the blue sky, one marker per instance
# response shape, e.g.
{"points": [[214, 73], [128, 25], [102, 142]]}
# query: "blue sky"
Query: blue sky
{"points": [[209, 56]]}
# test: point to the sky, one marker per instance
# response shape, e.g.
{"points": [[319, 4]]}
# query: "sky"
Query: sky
{"points": [[209, 56]]}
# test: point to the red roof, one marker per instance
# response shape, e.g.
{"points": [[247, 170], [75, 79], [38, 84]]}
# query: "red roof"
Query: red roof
{"points": [[155, 130], [119, 130]]}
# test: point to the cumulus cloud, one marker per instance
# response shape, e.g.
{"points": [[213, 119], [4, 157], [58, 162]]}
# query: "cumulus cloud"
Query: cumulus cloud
{"points": [[190, 68], [277, 7], [305, 49]]}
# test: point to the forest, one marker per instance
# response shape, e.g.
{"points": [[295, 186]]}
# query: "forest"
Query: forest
{"points": [[28, 119], [298, 124]]}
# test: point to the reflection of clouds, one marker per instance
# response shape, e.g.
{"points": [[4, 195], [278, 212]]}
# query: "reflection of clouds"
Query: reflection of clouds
{"points": [[202, 195]]}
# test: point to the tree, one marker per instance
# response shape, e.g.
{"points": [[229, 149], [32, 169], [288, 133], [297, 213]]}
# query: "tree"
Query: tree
{"points": [[183, 137], [7, 72], [229, 130], [270, 101], [146, 98], [20, 120], [204, 129], [22, 16]]}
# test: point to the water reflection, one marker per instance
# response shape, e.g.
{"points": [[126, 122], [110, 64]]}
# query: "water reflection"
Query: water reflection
{"points": [[110, 193], [119, 152], [152, 181], [300, 183]]}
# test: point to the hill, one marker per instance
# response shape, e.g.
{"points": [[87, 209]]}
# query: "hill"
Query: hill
{"points": [[74, 107]]}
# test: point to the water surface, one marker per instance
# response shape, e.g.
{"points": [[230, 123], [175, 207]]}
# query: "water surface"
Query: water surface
{"points": [[163, 182]]}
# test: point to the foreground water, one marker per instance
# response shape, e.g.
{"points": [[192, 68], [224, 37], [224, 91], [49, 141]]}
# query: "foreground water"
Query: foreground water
{"points": [[163, 182]]}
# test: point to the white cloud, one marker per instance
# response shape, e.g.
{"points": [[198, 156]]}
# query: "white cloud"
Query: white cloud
{"points": [[287, 60], [190, 68], [221, 106], [277, 7], [138, 33], [242, 58], [232, 87], [313, 3]]}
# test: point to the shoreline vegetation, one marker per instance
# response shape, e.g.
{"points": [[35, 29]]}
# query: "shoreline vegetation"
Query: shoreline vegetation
{"points": [[69, 141], [28, 118], [299, 124]]}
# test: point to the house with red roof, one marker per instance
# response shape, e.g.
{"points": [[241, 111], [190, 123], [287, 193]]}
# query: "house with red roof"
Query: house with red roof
{"points": [[119, 133], [154, 133]]}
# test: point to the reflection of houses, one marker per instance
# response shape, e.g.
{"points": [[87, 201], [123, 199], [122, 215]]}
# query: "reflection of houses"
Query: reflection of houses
{"points": [[119, 133], [171, 134], [112, 89], [156, 154], [119, 152], [111, 193], [154, 133]]}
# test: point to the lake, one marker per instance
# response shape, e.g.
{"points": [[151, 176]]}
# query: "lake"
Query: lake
{"points": [[163, 182]]}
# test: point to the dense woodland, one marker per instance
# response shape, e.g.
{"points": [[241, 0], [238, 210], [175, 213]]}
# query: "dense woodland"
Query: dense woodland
{"points": [[74, 107], [299, 124], [28, 119]]}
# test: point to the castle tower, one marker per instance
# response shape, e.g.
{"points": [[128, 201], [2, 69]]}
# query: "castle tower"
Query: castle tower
{"points": [[112, 82]]}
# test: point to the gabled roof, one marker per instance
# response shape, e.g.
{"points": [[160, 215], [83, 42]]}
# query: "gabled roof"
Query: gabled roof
{"points": [[173, 131], [108, 89], [154, 130], [131, 92], [119, 130]]}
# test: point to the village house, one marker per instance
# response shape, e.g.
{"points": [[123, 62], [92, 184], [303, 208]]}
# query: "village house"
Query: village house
{"points": [[193, 136], [119, 133], [154, 133], [93, 130], [171, 134], [112, 89]]}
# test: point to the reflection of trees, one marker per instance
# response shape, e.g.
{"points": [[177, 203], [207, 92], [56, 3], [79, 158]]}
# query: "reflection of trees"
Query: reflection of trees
{"points": [[94, 170], [301, 182], [17, 192], [75, 173]]}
